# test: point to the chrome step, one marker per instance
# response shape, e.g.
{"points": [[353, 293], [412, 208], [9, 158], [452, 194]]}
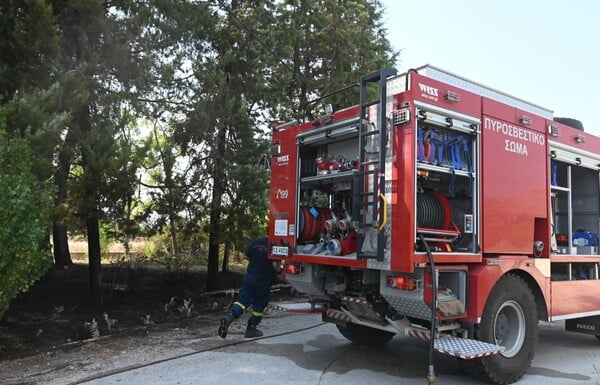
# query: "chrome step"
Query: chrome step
{"points": [[463, 348]]}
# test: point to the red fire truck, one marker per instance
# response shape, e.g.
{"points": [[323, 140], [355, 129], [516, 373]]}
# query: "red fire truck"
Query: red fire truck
{"points": [[441, 207]]}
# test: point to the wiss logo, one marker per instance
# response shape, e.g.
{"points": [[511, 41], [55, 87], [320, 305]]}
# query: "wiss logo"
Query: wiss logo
{"points": [[428, 91], [283, 160]]}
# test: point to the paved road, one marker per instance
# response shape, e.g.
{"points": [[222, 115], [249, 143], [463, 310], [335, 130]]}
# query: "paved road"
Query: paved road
{"points": [[320, 356]]}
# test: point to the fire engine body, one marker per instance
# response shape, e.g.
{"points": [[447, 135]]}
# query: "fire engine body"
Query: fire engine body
{"points": [[445, 207]]}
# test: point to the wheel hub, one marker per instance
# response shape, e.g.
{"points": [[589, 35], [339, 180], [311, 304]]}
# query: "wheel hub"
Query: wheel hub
{"points": [[509, 328]]}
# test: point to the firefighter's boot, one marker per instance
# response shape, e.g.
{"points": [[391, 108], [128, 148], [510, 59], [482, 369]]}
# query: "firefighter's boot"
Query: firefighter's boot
{"points": [[225, 322], [252, 332]]}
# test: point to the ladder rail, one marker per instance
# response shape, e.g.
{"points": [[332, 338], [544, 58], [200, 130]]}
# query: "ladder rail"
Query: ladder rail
{"points": [[376, 176]]}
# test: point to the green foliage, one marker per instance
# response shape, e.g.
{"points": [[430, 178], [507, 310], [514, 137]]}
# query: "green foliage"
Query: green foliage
{"points": [[27, 47], [326, 45], [150, 117], [24, 208]]}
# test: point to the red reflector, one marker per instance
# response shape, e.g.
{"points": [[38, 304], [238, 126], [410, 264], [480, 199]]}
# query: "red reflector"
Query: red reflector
{"points": [[292, 268], [401, 282]]}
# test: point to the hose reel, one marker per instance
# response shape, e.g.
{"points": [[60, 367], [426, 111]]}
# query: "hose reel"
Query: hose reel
{"points": [[434, 220], [433, 211]]}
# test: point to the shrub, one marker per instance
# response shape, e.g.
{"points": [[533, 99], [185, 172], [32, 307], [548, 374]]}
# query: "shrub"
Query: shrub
{"points": [[25, 206]]}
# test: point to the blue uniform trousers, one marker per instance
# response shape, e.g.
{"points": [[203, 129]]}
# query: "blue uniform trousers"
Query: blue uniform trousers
{"points": [[253, 292]]}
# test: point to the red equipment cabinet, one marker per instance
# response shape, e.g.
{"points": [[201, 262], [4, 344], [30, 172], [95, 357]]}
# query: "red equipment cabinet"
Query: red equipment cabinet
{"points": [[435, 209]]}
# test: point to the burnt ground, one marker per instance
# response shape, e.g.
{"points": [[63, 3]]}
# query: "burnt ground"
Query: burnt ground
{"points": [[56, 311]]}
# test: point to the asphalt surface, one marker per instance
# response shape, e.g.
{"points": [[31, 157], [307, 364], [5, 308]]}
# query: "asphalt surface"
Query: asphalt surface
{"points": [[319, 355]]}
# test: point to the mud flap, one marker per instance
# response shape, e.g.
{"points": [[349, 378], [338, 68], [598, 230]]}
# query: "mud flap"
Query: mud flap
{"points": [[587, 325]]}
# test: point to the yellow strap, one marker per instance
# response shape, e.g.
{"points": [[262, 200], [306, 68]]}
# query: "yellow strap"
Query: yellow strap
{"points": [[240, 305], [257, 314], [383, 212]]}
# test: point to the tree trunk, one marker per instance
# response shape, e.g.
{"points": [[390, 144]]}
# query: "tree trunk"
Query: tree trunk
{"points": [[126, 236], [92, 226], [95, 261], [126, 246], [212, 270], [62, 255], [173, 233], [232, 98], [226, 254]]}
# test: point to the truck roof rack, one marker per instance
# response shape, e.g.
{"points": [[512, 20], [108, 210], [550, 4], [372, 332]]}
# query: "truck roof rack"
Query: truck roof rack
{"points": [[439, 74]]}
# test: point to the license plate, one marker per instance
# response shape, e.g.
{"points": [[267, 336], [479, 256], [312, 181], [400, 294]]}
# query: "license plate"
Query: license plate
{"points": [[280, 250]]}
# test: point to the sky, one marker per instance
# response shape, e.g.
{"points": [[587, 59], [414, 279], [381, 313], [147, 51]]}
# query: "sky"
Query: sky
{"points": [[546, 52]]}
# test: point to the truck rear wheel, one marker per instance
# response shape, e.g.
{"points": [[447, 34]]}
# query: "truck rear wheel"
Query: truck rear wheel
{"points": [[509, 319], [362, 335]]}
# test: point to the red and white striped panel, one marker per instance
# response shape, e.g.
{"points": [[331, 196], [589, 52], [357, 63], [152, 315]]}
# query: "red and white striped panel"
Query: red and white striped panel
{"points": [[420, 334], [355, 300], [339, 315]]}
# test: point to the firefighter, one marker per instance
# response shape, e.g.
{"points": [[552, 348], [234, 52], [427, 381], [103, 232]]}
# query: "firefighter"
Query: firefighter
{"points": [[255, 291]]}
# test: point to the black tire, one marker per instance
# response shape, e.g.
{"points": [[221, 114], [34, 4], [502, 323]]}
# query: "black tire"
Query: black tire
{"points": [[598, 337], [509, 319], [362, 335]]}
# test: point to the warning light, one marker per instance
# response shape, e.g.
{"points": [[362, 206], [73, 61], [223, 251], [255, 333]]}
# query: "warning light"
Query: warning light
{"points": [[554, 130], [525, 120], [329, 109], [402, 283], [452, 97], [294, 269]]}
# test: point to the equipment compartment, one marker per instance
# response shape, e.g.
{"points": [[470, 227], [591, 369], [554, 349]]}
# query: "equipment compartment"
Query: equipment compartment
{"points": [[446, 197], [327, 165], [575, 204]]}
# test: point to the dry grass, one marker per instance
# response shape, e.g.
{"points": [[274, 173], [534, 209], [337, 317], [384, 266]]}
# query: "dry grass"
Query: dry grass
{"points": [[79, 249], [80, 246]]}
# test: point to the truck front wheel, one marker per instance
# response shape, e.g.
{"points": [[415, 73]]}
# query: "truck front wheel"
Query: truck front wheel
{"points": [[509, 319], [362, 335]]}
